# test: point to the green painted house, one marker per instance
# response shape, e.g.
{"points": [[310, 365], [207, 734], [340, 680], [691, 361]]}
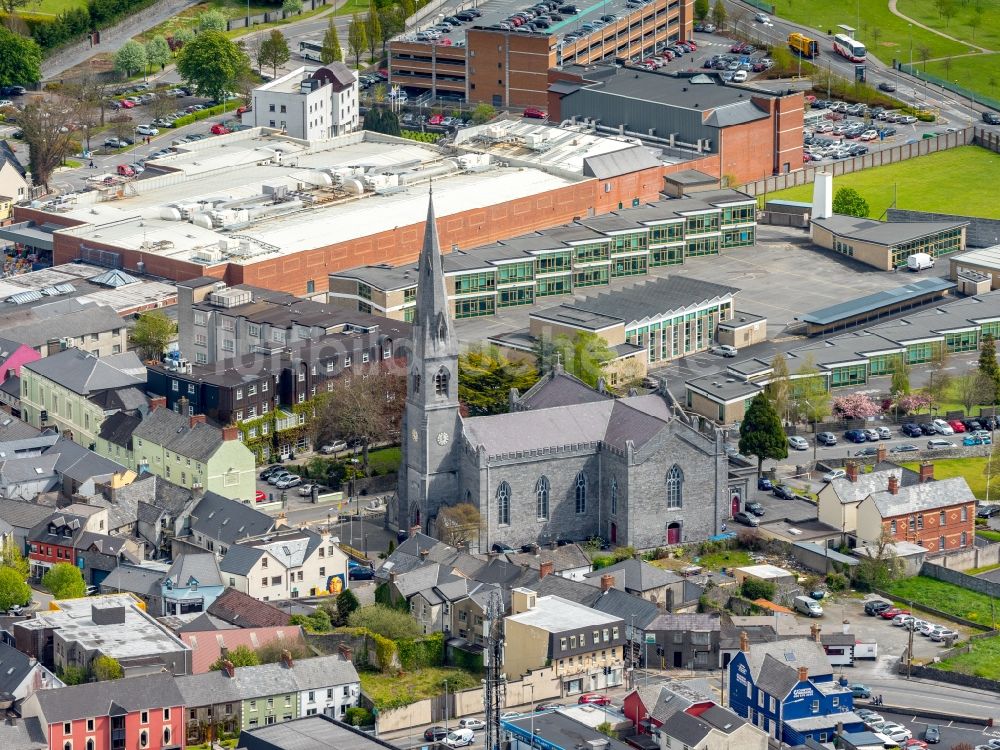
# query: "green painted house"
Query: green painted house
{"points": [[185, 450], [236, 698]]}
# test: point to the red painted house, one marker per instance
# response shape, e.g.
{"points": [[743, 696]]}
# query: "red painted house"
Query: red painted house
{"points": [[649, 706], [134, 713], [57, 539]]}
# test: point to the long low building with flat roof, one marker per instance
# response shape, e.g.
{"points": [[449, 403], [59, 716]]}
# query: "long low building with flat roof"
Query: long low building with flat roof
{"points": [[852, 359], [257, 207], [886, 245], [590, 252]]}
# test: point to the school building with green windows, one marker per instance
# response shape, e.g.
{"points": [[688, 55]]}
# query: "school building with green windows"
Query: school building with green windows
{"points": [[589, 252], [852, 359]]}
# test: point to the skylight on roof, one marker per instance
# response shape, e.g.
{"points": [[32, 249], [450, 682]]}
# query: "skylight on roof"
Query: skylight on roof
{"points": [[789, 656]]}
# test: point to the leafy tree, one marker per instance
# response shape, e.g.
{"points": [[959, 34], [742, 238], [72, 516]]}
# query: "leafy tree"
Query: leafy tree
{"points": [[848, 201], [43, 122], [947, 9], [779, 387], [408, 7], [483, 113], [157, 52], [974, 388], [387, 622], [10, 6], [584, 355], [719, 15], [212, 63], [880, 569], [761, 433], [73, 675], [331, 51], [357, 716], [151, 334], [357, 38], [988, 366], [373, 28], [20, 57], [485, 377], [367, 406], [392, 21], [13, 558], [812, 398], [457, 524], [900, 377], [122, 124], [211, 20], [64, 581], [924, 53], [317, 622], [701, 9], [241, 656], [13, 589], [183, 36], [347, 604], [274, 51], [130, 58], [107, 668], [974, 22], [291, 7], [754, 588], [381, 120]]}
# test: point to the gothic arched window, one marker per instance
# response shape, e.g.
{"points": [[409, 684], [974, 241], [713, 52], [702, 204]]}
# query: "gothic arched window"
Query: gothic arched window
{"points": [[503, 504], [581, 493], [441, 382], [614, 496], [542, 498], [675, 487], [416, 382]]}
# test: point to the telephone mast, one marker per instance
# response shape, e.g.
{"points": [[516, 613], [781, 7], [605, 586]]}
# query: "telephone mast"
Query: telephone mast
{"points": [[494, 686]]}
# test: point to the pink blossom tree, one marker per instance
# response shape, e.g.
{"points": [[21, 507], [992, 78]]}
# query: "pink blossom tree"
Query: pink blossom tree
{"points": [[856, 406], [914, 402]]}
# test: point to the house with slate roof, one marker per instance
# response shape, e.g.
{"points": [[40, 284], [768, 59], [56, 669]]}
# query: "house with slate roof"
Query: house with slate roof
{"points": [[787, 689], [243, 611], [241, 698], [662, 587], [651, 706], [23, 516], [21, 675], [137, 712], [183, 449], [144, 583], [684, 641], [160, 506], [714, 727], [191, 584], [216, 523], [208, 646]]}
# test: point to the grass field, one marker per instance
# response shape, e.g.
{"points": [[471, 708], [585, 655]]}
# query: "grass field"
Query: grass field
{"points": [[980, 73], [971, 469], [944, 596], [53, 7], [731, 558], [959, 180], [982, 661], [988, 534], [389, 690], [987, 35]]}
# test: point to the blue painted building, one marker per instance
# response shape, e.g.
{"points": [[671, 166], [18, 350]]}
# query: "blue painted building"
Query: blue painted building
{"points": [[787, 689], [192, 583]]}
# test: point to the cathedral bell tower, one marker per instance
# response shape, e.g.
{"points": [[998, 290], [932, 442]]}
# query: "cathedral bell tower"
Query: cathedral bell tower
{"points": [[428, 475]]}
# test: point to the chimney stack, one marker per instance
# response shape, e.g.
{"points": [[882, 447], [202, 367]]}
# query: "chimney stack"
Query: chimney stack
{"points": [[926, 472], [157, 402], [286, 659], [893, 484], [230, 434], [744, 642], [345, 651], [228, 668], [815, 630], [847, 626], [852, 470], [197, 419], [607, 581], [881, 453], [414, 530], [424, 553], [546, 569], [803, 674]]}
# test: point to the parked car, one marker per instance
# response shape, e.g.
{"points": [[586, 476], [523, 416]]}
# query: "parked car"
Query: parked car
{"points": [[740, 76], [595, 699], [991, 118], [904, 448], [473, 724], [892, 612], [460, 738], [745, 518], [219, 129], [871, 450], [763, 483], [942, 427], [334, 447], [535, 113], [433, 734], [988, 511], [941, 633], [361, 573], [287, 481], [549, 706], [876, 606], [270, 470], [932, 734], [306, 490], [871, 434], [125, 170], [976, 440], [725, 350], [938, 444], [972, 425], [928, 428], [147, 130], [754, 507], [860, 691], [782, 492], [798, 442], [883, 433], [826, 438], [956, 425], [277, 476], [910, 429], [856, 436], [835, 474], [901, 620]]}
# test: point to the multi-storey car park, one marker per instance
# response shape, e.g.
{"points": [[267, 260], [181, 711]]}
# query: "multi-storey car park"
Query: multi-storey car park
{"points": [[589, 252], [483, 62]]}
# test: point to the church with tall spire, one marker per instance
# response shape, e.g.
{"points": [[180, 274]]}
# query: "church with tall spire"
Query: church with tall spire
{"points": [[568, 461]]}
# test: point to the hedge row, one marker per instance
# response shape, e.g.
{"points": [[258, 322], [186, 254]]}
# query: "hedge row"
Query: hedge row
{"points": [[201, 114]]}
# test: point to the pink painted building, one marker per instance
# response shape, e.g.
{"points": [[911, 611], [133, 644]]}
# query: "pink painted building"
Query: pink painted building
{"points": [[12, 356], [134, 713]]}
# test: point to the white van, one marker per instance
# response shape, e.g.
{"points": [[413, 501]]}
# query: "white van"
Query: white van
{"points": [[919, 262], [807, 606], [460, 738]]}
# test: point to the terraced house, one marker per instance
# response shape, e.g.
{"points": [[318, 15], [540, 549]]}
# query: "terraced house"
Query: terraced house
{"points": [[589, 252]]}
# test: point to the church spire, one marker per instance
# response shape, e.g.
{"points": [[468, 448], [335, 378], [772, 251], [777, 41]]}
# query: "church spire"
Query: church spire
{"points": [[434, 335]]}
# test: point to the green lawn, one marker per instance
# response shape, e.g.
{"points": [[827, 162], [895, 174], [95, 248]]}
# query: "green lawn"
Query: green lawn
{"points": [[988, 534], [388, 691], [52, 7], [959, 180], [385, 460], [732, 558], [982, 661], [944, 596], [979, 73], [969, 468], [987, 35]]}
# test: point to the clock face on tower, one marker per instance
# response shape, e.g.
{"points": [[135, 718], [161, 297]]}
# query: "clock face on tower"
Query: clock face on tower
{"points": [[442, 438], [414, 436]]}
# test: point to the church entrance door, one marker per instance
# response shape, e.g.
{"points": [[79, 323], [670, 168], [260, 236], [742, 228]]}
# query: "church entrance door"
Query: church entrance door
{"points": [[673, 533], [614, 533]]}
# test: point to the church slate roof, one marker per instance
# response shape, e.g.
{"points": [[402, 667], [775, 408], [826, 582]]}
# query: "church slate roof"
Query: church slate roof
{"points": [[634, 575], [558, 388]]}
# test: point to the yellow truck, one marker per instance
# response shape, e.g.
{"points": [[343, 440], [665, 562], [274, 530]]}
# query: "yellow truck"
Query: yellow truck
{"points": [[803, 46]]}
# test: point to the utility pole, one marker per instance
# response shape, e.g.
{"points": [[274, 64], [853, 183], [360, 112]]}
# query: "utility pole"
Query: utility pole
{"points": [[493, 685], [909, 649]]}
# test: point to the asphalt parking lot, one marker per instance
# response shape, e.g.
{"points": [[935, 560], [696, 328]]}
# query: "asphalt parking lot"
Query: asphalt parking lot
{"points": [[952, 732]]}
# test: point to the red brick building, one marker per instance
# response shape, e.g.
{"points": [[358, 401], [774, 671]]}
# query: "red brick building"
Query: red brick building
{"points": [[938, 515], [136, 712]]}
